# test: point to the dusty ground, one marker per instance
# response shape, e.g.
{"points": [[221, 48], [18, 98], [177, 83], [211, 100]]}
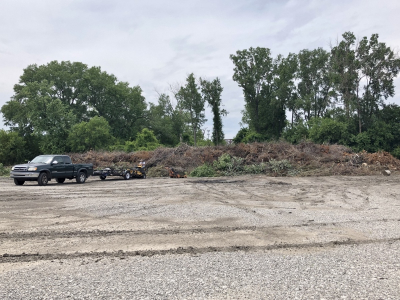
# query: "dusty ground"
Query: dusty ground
{"points": [[193, 215], [250, 214]]}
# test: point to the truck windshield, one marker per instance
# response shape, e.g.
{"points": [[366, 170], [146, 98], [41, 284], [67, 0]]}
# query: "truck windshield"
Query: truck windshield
{"points": [[43, 159]]}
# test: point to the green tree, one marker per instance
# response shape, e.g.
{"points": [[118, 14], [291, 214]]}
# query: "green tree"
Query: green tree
{"points": [[344, 72], [166, 121], [326, 130], [254, 74], [211, 91], [377, 66], [190, 99], [92, 135], [76, 94], [146, 140], [12, 148], [240, 135], [267, 88], [315, 86]]}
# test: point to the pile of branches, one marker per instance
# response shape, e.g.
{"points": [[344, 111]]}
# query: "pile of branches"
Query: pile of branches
{"points": [[308, 158]]}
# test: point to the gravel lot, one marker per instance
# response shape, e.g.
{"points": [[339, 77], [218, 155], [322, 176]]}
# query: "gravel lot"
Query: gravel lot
{"points": [[248, 237]]}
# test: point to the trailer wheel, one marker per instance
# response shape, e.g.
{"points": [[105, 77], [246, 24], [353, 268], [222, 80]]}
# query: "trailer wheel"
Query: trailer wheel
{"points": [[60, 180], [127, 176], [144, 176], [18, 182], [81, 178], [43, 179], [102, 177]]}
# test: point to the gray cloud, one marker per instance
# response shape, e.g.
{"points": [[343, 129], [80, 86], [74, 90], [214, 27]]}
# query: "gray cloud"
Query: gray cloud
{"points": [[157, 43]]}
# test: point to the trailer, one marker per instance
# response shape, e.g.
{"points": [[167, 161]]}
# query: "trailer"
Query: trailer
{"points": [[135, 172]]}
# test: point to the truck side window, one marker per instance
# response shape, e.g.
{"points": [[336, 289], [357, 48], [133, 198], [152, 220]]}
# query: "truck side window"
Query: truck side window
{"points": [[59, 159], [67, 160]]}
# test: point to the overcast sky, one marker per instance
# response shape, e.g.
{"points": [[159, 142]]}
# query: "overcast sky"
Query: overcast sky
{"points": [[157, 43]]}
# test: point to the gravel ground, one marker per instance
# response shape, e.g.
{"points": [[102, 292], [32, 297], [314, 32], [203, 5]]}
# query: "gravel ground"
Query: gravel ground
{"points": [[342, 272], [247, 237]]}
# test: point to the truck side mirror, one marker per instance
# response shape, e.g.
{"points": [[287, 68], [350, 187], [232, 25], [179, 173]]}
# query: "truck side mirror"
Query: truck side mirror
{"points": [[55, 162]]}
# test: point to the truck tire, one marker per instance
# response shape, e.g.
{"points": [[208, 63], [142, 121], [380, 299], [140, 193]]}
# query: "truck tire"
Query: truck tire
{"points": [[18, 182], [43, 179], [102, 177], [60, 180], [81, 178], [127, 176]]}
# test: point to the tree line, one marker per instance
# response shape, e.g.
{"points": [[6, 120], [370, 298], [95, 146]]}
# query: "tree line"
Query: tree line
{"points": [[68, 107], [334, 96]]}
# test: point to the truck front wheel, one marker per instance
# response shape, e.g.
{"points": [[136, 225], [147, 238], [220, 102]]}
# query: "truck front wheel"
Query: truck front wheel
{"points": [[19, 182], [43, 179], [81, 178]]}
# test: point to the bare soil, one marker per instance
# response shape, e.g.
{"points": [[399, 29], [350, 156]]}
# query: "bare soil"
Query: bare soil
{"points": [[151, 216]]}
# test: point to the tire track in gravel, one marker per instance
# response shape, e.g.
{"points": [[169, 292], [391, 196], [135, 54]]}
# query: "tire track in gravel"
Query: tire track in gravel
{"points": [[221, 196], [173, 231], [31, 257]]}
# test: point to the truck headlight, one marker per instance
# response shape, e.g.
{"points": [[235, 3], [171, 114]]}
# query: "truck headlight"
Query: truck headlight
{"points": [[32, 168], [12, 169]]}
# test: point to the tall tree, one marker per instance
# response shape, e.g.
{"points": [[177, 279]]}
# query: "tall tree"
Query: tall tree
{"points": [[344, 72], [166, 121], [190, 99], [267, 85], [377, 66], [253, 72], [315, 85], [76, 94], [211, 91]]}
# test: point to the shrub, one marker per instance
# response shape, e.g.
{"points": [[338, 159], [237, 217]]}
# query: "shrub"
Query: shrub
{"points": [[280, 167], [12, 148], [4, 171], [204, 170], [228, 165], [255, 169]]}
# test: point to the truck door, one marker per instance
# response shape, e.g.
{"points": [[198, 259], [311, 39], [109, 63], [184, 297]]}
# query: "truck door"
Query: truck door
{"points": [[58, 167], [69, 167]]}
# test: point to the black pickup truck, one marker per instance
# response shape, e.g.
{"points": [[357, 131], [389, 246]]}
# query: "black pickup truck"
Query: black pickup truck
{"points": [[44, 168]]}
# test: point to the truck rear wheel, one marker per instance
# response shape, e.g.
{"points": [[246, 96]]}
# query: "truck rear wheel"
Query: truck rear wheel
{"points": [[81, 178], [19, 182], [43, 179], [60, 180]]}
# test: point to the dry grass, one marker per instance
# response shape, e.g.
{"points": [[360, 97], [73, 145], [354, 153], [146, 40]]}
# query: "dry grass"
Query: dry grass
{"points": [[307, 158]]}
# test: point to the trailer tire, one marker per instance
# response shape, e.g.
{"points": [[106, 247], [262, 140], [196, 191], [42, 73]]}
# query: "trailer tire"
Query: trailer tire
{"points": [[102, 177], [127, 175], [19, 182], [60, 180], [81, 178], [43, 179], [144, 176]]}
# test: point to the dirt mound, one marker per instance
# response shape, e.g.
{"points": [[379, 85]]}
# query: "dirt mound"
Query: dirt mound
{"points": [[307, 158]]}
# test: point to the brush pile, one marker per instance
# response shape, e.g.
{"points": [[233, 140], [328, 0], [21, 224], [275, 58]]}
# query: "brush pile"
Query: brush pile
{"points": [[306, 158]]}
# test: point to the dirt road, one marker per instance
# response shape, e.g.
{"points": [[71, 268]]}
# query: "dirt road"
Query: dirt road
{"points": [[162, 215]]}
